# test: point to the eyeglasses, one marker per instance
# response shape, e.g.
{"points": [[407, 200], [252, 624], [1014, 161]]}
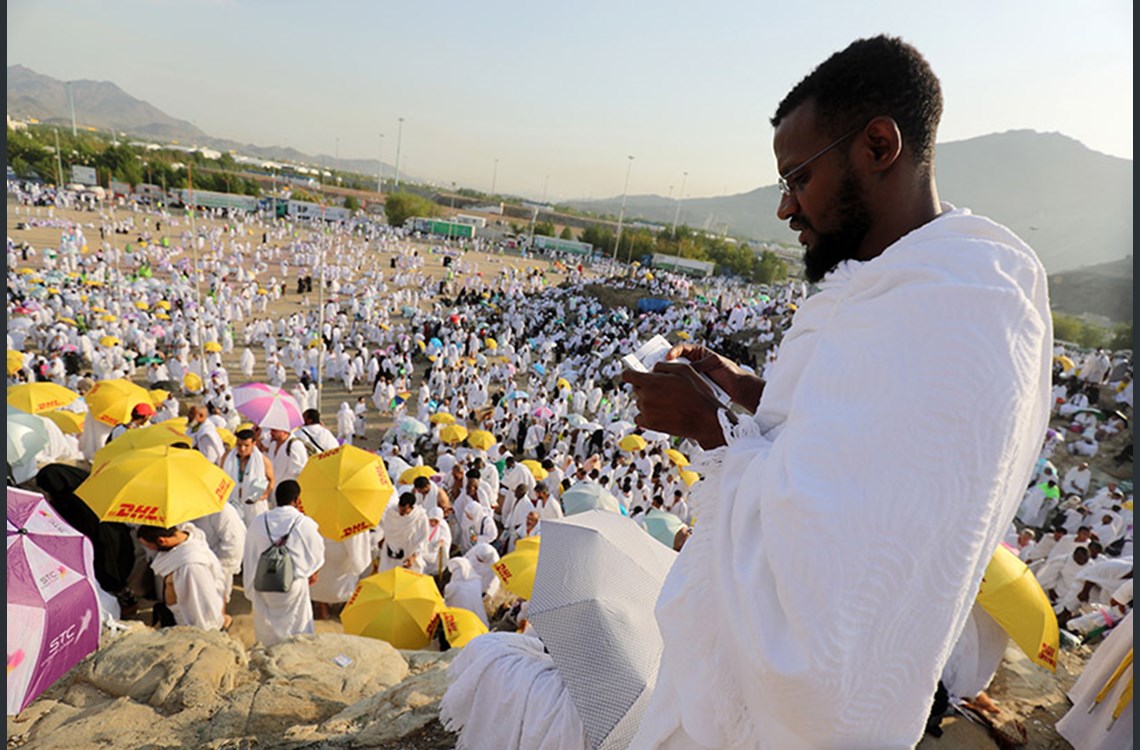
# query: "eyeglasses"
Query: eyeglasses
{"points": [[783, 181]]}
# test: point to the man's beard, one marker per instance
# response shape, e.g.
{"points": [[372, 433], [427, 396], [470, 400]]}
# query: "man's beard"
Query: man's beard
{"points": [[832, 248]]}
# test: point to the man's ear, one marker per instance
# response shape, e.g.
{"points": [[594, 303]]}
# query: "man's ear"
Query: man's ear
{"points": [[882, 142]]}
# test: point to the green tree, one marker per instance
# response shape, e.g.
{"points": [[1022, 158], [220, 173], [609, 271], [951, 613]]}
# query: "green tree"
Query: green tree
{"points": [[399, 207], [543, 228], [566, 234], [351, 203], [1121, 337], [1091, 336], [770, 268], [1065, 327]]}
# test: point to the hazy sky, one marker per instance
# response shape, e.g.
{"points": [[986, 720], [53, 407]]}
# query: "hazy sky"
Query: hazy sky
{"points": [[560, 94]]}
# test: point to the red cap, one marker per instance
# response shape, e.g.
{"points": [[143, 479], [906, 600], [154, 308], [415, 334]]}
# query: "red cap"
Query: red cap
{"points": [[142, 409]]}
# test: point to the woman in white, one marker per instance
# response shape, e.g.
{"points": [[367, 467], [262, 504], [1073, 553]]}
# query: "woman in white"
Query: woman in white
{"points": [[438, 546], [482, 556], [345, 424], [465, 588], [476, 526]]}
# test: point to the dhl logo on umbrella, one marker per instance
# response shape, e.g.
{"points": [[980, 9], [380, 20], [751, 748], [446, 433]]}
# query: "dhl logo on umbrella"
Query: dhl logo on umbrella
{"points": [[129, 512], [222, 491], [1047, 654], [355, 528], [49, 404], [503, 571]]}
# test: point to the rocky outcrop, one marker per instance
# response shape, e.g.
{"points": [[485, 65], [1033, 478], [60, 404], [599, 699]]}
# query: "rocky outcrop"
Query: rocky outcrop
{"points": [[188, 688]]}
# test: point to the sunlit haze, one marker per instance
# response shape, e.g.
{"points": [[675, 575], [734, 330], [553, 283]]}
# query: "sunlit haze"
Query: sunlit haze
{"points": [[552, 98]]}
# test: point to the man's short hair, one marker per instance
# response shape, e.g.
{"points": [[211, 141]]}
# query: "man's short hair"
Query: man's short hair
{"points": [[882, 75], [473, 474], [288, 490], [153, 533], [311, 416], [406, 500], [421, 482], [244, 435]]}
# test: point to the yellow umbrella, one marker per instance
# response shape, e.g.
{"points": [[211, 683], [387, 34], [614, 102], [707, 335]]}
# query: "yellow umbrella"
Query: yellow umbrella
{"points": [[683, 335], [562, 383], [460, 626], [528, 542], [68, 321], [632, 443], [421, 345], [345, 490], [397, 606], [212, 346], [490, 343], [109, 318], [677, 457], [156, 487], [26, 271], [480, 439], [689, 477], [142, 305], [152, 436], [384, 326], [15, 362], [442, 417], [110, 341], [111, 401], [69, 422], [536, 469], [453, 433], [412, 474], [162, 316], [162, 304], [192, 382], [158, 395], [228, 438], [38, 397], [1012, 596], [53, 290], [516, 571]]}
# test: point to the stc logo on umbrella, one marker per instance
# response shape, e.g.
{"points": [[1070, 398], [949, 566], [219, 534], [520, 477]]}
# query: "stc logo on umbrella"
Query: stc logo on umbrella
{"points": [[52, 576]]}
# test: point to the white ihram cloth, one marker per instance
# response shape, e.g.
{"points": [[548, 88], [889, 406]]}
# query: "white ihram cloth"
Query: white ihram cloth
{"points": [[345, 562], [278, 615], [508, 695], [199, 582], [465, 588], [908, 402], [1088, 725], [404, 536], [225, 534], [249, 485]]}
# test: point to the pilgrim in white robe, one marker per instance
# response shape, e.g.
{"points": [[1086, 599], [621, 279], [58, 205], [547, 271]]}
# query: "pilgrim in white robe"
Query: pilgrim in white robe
{"points": [[767, 643], [197, 581], [345, 562], [279, 615], [225, 535]]}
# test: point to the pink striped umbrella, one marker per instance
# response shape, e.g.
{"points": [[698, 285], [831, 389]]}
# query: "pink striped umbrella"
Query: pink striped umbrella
{"points": [[268, 406]]}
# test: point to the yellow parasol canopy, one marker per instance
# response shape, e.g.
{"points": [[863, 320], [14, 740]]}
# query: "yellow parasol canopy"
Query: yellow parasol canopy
{"points": [[1012, 596], [162, 304], [141, 305], [151, 436], [460, 626], [480, 439], [412, 474], [110, 341], [212, 346], [442, 417], [192, 382], [69, 422], [516, 571], [677, 457], [453, 433], [40, 396], [536, 469], [111, 401], [345, 490], [397, 606], [15, 361], [156, 487], [632, 443], [689, 477]]}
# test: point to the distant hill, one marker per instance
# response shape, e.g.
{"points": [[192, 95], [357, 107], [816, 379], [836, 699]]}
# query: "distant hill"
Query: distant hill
{"points": [[1073, 205], [1104, 290], [105, 106]]}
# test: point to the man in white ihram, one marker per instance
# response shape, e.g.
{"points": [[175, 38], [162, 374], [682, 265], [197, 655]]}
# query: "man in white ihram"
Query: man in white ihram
{"points": [[767, 643]]}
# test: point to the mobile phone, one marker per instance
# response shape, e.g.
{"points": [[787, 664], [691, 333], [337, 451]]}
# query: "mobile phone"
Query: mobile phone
{"points": [[654, 351]]}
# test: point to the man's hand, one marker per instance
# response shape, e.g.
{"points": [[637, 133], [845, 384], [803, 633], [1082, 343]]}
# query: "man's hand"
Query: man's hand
{"points": [[676, 400], [742, 387]]}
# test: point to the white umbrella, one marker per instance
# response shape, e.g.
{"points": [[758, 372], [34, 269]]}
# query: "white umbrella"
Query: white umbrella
{"points": [[620, 427], [595, 587], [411, 427], [27, 436]]}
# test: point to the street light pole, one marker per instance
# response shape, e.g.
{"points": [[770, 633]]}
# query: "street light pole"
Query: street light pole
{"points": [[680, 197], [380, 169], [399, 138], [621, 215]]}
